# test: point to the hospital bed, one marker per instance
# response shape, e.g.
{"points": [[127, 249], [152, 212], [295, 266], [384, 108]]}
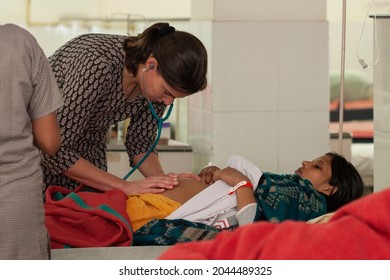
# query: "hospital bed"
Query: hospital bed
{"points": [[109, 253], [109, 226], [130, 252], [358, 147], [85, 224], [359, 152]]}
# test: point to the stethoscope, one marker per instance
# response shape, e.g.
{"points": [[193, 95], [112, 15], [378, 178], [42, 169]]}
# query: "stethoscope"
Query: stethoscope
{"points": [[160, 122]]}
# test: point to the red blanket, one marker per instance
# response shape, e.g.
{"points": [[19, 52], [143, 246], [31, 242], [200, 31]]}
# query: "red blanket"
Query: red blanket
{"points": [[87, 219], [359, 230]]}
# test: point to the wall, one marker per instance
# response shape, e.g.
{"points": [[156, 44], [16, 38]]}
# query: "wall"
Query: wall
{"points": [[269, 92], [359, 34], [272, 86], [382, 108], [50, 11], [364, 43], [54, 22]]}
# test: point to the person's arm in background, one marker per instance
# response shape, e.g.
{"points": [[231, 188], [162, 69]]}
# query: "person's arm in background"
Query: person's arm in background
{"points": [[46, 133]]}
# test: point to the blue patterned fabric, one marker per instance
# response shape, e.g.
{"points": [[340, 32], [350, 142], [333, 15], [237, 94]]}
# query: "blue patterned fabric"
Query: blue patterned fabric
{"points": [[287, 197], [279, 198], [168, 232]]}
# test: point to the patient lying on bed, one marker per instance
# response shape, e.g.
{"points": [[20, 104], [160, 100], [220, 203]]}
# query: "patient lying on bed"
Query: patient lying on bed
{"points": [[317, 187]]}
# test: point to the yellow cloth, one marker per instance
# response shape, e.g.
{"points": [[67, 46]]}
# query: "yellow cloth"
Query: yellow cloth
{"points": [[145, 207]]}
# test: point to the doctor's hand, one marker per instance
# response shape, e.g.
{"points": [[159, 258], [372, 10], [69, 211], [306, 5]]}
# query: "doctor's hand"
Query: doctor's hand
{"points": [[153, 184], [185, 175]]}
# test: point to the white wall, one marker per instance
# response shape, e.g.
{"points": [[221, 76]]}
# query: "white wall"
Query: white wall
{"points": [[277, 91], [382, 108], [47, 11], [54, 22], [269, 92], [359, 35], [51, 10], [50, 22]]}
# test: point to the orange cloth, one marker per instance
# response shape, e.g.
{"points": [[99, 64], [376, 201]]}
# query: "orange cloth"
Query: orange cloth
{"points": [[145, 207]]}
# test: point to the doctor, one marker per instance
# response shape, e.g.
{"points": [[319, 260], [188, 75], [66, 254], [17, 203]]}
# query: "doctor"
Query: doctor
{"points": [[105, 79]]}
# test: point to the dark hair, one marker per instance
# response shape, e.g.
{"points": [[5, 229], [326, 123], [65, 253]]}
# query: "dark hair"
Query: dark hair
{"points": [[348, 181], [182, 58]]}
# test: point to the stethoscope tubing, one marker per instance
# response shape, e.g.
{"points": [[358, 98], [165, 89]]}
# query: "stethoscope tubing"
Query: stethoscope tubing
{"points": [[160, 122]]}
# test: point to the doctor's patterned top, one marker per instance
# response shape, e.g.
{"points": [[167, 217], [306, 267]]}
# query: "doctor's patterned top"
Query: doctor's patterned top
{"points": [[89, 71]]}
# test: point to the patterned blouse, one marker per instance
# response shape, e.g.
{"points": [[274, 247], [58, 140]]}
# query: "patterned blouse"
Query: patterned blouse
{"points": [[89, 72], [287, 197]]}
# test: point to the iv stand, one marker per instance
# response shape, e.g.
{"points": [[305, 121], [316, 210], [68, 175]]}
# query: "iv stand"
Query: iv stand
{"points": [[341, 105]]}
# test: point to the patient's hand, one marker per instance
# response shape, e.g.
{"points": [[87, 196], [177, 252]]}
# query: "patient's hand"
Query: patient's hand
{"points": [[207, 174], [230, 176]]}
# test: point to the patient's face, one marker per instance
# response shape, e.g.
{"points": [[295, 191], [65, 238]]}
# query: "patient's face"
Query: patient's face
{"points": [[318, 172]]}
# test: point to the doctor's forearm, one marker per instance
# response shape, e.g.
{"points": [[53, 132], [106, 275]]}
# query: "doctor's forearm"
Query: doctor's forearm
{"points": [[151, 166], [89, 175]]}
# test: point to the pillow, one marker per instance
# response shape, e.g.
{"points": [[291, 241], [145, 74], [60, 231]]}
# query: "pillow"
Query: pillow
{"points": [[321, 219], [356, 87]]}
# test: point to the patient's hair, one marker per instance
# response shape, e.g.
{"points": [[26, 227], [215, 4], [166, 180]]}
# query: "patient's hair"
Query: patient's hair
{"points": [[348, 181]]}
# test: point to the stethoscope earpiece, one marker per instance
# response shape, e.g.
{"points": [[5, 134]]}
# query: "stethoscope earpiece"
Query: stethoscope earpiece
{"points": [[151, 67]]}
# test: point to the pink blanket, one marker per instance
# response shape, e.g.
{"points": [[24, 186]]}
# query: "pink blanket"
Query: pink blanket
{"points": [[87, 219], [359, 230]]}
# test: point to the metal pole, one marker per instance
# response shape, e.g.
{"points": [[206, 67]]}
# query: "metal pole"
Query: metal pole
{"points": [[341, 108]]}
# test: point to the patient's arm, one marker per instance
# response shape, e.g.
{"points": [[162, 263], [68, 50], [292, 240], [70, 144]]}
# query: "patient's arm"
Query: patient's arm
{"points": [[244, 196], [232, 177], [188, 188]]}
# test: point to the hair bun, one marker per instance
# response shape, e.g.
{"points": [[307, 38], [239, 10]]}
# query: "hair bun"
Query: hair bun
{"points": [[166, 30]]}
